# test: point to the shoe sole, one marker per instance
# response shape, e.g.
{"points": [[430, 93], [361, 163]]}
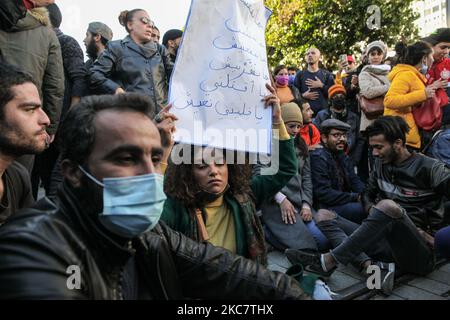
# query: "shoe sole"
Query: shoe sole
{"points": [[387, 285]]}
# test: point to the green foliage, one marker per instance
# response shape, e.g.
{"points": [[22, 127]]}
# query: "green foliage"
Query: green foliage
{"points": [[334, 26]]}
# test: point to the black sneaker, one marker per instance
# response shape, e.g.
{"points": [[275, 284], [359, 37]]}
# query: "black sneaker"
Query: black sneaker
{"points": [[309, 261]]}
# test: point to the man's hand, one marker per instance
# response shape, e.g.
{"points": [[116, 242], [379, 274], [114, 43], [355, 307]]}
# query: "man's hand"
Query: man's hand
{"points": [[119, 90], [314, 84], [310, 95], [440, 84], [287, 212], [428, 238], [165, 122], [430, 91], [273, 100], [306, 214]]}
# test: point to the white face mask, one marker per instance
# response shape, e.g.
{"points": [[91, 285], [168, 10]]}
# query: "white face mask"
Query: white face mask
{"points": [[424, 69]]}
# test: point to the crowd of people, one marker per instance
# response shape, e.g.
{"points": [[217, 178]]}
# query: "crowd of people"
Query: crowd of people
{"points": [[361, 179]]}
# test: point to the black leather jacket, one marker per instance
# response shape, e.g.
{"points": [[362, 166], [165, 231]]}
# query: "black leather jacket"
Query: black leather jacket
{"points": [[142, 69], [38, 246], [419, 184]]}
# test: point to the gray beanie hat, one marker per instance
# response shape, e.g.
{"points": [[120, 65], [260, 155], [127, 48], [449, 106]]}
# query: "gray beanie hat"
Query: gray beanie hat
{"points": [[377, 44]]}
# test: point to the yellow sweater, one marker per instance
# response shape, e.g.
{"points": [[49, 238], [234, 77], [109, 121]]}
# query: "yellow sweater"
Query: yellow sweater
{"points": [[407, 90]]}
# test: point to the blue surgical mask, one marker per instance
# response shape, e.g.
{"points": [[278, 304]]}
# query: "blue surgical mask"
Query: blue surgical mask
{"points": [[131, 205], [424, 69], [291, 79]]}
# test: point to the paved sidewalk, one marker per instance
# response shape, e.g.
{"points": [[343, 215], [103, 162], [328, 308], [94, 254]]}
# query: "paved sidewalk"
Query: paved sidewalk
{"points": [[350, 285]]}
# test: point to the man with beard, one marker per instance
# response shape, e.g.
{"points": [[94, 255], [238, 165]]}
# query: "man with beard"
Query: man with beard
{"points": [[98, 35], [99, 238], [314, 82], [404, 199], [172, 40], [335, 184], [339, 110], [22, 131]]}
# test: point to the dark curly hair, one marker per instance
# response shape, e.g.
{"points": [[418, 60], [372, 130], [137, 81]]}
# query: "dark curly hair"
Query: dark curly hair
{"points": [[180, 184]]}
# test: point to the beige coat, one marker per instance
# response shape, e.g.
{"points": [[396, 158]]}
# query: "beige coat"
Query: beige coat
{"points": [[372, 87]]}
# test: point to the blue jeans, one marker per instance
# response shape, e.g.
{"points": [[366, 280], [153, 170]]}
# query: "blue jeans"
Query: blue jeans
{"points": [[322, 242], [352, 211], [442, 242]]}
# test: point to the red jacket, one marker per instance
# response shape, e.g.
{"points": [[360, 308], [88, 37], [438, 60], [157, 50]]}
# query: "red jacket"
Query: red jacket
{"points": [[435, 74], [311, 136]]}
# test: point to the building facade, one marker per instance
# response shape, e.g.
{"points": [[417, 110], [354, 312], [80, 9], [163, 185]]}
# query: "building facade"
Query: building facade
{"points": [[434, 14]]}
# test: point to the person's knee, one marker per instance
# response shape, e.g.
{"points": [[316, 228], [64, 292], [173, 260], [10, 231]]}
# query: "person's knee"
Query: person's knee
{"points": [[390, 208], [442, 242], [324, 215]]}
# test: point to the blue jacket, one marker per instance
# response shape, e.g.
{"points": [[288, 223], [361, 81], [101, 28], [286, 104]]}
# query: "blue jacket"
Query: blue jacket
{"points": [[325, 180]]}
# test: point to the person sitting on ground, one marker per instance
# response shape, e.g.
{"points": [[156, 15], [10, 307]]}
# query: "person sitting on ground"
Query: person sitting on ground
{"points": [[339, 110], [212, 200], [288, 217], [405, 201], [335, 183], [100, 238], [309, 132]]}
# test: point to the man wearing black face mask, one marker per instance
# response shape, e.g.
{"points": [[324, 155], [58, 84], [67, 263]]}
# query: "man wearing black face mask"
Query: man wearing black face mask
{"points": [[339, 110]]}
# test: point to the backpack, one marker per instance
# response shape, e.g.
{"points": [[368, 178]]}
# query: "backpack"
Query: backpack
{"points": [[439, 146]]}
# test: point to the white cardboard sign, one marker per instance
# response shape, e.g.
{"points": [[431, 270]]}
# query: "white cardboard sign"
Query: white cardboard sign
{"points": [[219, 78]]}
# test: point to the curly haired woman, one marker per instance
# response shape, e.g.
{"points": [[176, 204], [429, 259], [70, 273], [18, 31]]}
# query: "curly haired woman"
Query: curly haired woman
{"points": [[216, 201]]}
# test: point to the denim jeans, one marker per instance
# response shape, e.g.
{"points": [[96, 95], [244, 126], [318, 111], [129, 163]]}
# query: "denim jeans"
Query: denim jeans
{"points": [[322, 242], [442, 242], [353, 211], [408, 248], [339, 229]]}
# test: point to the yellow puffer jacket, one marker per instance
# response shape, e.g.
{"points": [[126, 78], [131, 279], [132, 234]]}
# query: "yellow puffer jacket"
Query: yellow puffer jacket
{"points": [[407, 90]]}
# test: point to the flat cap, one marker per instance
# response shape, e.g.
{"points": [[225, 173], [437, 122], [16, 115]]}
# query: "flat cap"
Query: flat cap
{"points": [[101, 29], [334, 124]]}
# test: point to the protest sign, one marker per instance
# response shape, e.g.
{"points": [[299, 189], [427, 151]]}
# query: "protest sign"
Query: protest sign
{"points": [[220, 74]]}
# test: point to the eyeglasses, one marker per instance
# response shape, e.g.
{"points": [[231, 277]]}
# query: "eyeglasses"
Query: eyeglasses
{"points": [[338, 135], [146, 20]]}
